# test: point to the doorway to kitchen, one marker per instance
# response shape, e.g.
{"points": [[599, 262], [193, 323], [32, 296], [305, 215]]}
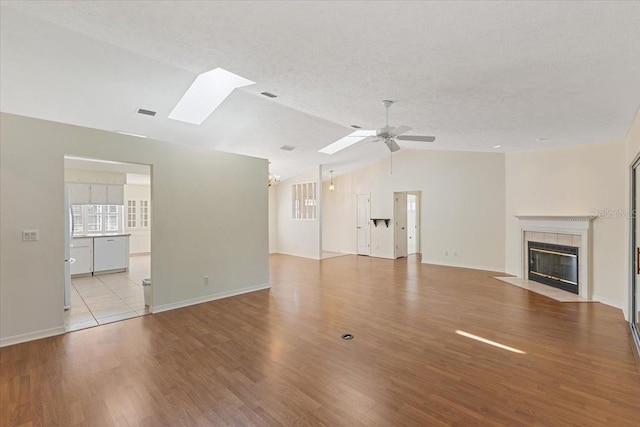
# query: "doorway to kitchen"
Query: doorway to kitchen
{"points": [[406, 222], [109, 241]]}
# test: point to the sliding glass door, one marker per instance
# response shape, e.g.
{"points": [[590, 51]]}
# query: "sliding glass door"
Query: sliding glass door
{"points": [[634, 296]]}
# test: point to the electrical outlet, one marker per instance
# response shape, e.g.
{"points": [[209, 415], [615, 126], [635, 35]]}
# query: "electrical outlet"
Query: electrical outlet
{"points": [[455, 253], [206, 280], [446, 253]]}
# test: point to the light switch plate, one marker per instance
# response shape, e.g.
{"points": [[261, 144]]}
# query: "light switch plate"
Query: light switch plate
{"points": [[30, 235]]}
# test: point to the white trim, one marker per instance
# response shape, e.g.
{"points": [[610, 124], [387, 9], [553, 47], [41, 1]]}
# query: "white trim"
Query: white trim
{"points": [[296, 255], [578, 225], [615, 304], [31, 336], [207, 298], [470, 267]]}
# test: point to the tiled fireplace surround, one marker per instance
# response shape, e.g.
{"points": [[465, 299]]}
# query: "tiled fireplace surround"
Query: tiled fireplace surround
{"points": [[560, 230]]}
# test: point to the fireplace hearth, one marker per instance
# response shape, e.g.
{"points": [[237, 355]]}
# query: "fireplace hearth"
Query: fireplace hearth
{"points": [[554, 265]]}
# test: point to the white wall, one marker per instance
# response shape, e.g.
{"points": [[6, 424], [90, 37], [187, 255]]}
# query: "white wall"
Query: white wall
{"points": [[224, 234], [90, 176], [463, 197], [273, 220], [297, 237], [140, 239], [584, 180]]}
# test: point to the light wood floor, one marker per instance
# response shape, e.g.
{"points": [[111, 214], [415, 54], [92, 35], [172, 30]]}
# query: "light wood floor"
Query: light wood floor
{"points": [[275, 357]]}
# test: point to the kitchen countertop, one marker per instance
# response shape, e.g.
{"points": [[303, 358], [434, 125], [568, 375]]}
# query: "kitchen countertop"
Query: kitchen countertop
{"points": [[83, 236]]}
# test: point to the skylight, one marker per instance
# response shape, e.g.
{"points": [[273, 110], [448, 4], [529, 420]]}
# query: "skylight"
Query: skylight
{"points": [[205, 94], [347, 141]]}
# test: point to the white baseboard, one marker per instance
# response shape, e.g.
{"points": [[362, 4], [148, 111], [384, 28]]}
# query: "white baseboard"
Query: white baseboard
{"points": [[615, 304], [207, 298], [31, 336], [296, 255], [472, 267], [139, 254]]}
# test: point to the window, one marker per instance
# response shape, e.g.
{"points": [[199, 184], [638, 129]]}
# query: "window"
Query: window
{"points": [[112, 213], [97, 219], [78, 223], [94, 218], [131, 213], [303, 201], [144, 213]]}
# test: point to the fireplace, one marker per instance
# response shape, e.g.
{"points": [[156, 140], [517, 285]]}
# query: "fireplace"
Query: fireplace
{"points": [[554, 265], [569, 231]]}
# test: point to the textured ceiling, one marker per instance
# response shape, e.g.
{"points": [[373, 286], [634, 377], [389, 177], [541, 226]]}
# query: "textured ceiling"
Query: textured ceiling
{"points": [[474, 74]]}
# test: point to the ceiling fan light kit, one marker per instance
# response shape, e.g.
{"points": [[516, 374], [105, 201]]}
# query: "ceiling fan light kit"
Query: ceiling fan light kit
{"points": [[386, 134]]}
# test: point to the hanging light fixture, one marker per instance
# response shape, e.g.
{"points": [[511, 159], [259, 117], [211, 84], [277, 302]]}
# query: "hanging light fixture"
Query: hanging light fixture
{"points": [[273, 179], [331, 186]]}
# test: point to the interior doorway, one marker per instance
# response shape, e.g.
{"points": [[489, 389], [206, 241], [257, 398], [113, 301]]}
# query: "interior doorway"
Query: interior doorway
{"points": [[363, 224], [108, 236], [413, 223], [406, 223]]}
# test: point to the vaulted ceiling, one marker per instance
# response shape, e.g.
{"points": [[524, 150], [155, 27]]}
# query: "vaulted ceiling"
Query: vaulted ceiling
{"points": [[474, 74]]}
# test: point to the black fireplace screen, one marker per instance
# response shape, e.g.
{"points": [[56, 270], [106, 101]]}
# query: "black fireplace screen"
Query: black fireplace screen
{"points": [[554, 265]]}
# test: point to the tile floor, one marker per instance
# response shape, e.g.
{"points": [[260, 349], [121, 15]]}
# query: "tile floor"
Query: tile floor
{"points": [[548, 291], [106, 298]]}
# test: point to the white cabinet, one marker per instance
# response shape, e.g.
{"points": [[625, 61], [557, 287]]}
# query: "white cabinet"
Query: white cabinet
{"points": [[99, 194], [115, 194], [82, 252], [110, 253], [81, 193]]}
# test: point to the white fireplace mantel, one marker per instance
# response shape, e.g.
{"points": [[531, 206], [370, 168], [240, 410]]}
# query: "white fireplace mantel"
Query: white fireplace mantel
{"points": [[575, 225]]}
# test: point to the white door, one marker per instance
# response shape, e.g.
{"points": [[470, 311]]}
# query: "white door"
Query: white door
{"points": [[412, 227], [400, 224], [364, 230]]}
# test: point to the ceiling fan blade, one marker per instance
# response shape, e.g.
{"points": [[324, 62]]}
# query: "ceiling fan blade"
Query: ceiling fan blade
{"points": [[399, 130], [392, 145], [416, 138]]}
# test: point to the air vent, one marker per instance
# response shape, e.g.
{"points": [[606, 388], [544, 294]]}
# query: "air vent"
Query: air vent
{"points": [[356, 127], [269, 95], [288, 148], [146, 112]]}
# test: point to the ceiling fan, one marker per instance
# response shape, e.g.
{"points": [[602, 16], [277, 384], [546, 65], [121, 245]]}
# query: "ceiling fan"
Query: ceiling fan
{"points": [[389, 134]]}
